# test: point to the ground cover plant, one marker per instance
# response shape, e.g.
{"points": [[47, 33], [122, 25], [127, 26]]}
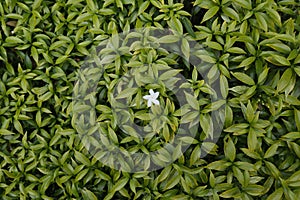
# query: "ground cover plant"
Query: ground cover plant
{"points": [[74, 74]]}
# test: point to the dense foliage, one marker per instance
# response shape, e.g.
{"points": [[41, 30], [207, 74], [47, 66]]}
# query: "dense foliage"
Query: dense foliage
{"points": [[251, 54]]}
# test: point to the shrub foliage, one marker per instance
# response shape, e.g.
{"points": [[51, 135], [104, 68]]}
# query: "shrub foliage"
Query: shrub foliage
{"points": [[254, 45]]}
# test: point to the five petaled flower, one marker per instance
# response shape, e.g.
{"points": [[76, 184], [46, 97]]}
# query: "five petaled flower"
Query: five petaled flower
{"points": [[152, 98]]}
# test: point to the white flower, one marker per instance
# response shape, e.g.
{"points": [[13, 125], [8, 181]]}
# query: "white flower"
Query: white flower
{"points": [[152, 98]]}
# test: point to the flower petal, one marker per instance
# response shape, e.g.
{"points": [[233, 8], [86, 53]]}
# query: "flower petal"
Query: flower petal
{"points": [[156, 102], [147, 97], [149, 103], [155, 95], [151, 92]]}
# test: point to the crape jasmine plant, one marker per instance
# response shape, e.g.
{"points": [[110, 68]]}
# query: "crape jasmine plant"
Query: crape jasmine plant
{"points": [[155, 99], [145, 132]]}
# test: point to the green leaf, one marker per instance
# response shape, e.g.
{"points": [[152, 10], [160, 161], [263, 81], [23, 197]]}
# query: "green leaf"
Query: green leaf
{"points": [[112, 135], [82, 158], [46, 181], [88, 195], [247, 62], [296, 148], [61, 59], [274, 15], [174, 180], [237, 127], [244, 4], [185, 48], [282, 61], [231, 13], [220, 165], [224, 86], [252, 139], [188, 26], [18, 126], [169, 74], [36, 4], [188, 140], [231, 193], [81, 175], [168, 39], [236, 50], [14, 40], [126, 93], [245, 166], [57, 44], [38, 118], [192, 101], [276, 195], [273, 169], [284, 80], [280, 47], [143, 7], [120, 184], [177, 152], [54, 139], [297, 70], [91, 4], [207, 58], [206, 123], [239, 175], [254, 190], [210, 13], [297, 118], [5, 132], [214, 45], [261, 21], [48, 58], [106, 12], [45, 96], [263, 76], [34, 54], [288, 193], [244, 78], [79, 34], [248, 112], [229, 149], [271, 150], [251, 153], [292, 135], [295, 177], [109, 196], [102, 175]]}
